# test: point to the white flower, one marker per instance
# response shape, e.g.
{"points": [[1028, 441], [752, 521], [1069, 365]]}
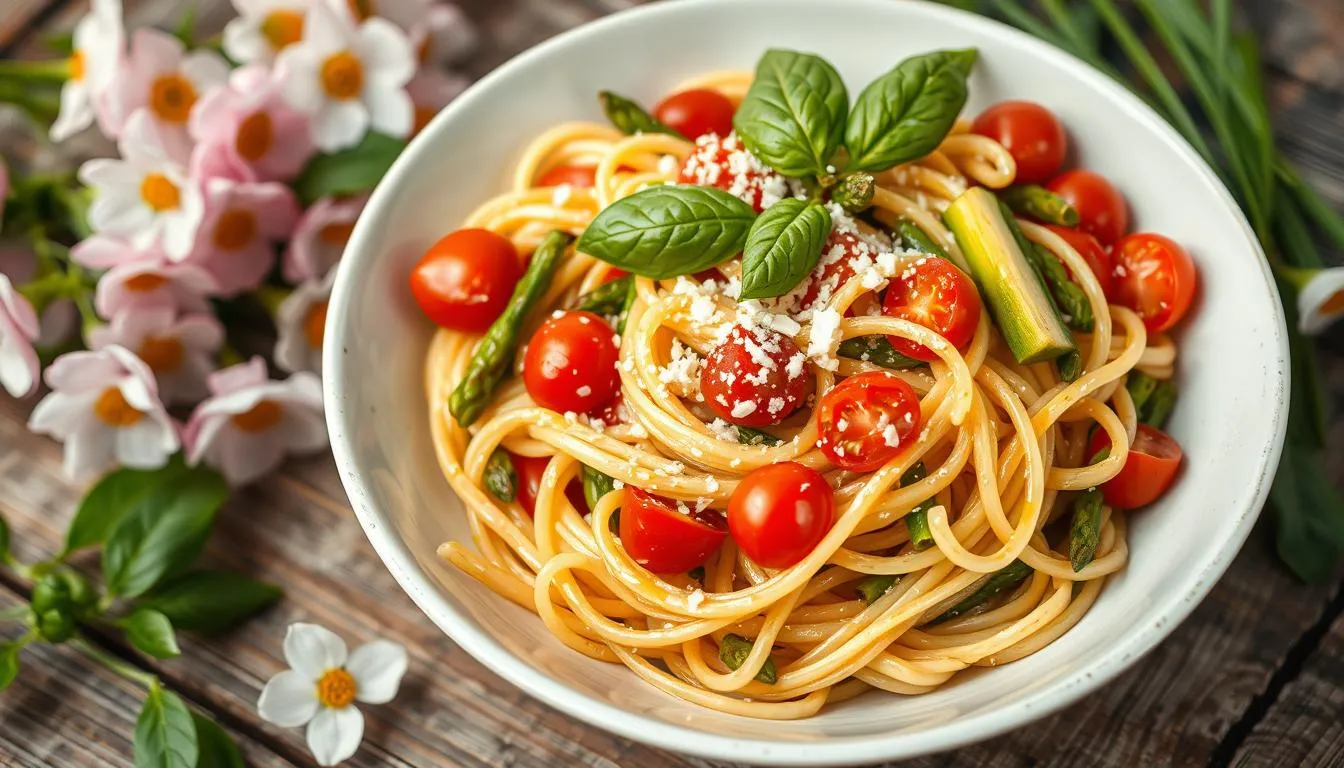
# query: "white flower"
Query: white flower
{"points": [[99, 40], [179, 350], [323, 684], [19, 328], [442, 35], [145, 196], [164, 79], [264, 28], [301, 321], [1321, 301], [105, 407], [349, 78], [251, 422]]}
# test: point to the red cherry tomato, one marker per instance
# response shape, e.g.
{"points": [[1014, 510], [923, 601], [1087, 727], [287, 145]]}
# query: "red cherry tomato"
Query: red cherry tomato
{"points": [[573, 175], [756, 378], [838, 257], [615, 274], [1150, 468], [570, 364], [724, 163], [464, 281], [1096, 257], [780, 512], [1101, 208], [696, 112], [530, 470], [933, 293], [866, 420], [664, 539], [1155, 277], [1031, 134]]}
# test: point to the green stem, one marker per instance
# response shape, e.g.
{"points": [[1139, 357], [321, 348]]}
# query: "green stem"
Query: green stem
{"points": [[16, 612], [51, 70], [126, 670]]}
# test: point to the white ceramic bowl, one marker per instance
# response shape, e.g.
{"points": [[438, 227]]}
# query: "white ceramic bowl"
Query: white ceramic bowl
{"points": [[1233, 369]]}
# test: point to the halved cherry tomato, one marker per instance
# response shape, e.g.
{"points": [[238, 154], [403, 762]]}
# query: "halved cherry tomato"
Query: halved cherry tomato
{"points": [[615, 274], [570, 364], [933, 293], [779, 513], [664, 539], [724, 162], [530, 470], [696, 112], [865, 420], [1101, 208], [465, 280], [1031, 134], [1096, 257], [755, 378], [1150, 468], [573, 175], [1155, 277], [836, 267]]}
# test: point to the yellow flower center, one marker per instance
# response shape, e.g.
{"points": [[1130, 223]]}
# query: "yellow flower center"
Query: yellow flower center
{"points": [[171, 98], [162, 354], [282, 28], [235, 229], [263, 416], [422, 117], [336, 689], [160, 193], [77, 66], [1333, 305], [112, 409], [426, 46], [337, 234], [145, 283], [315, 324], [362, 9], [343, 76], [254, 138]]}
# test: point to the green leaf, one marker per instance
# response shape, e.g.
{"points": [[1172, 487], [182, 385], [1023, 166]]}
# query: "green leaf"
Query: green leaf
{"points": [[9, 663], [630, 118], [667, 231], [165, 734], [793, 116], [783, 246], [905, 114], [349, 171], [1309, 514], [4, 541], [112, 497], [210, 602], [216, 747], [151, 633], [163, 532]]}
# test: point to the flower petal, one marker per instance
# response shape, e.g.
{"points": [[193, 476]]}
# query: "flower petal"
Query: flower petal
{"points": [[76, 112], [386, 53], [334, 735], [377, 668], [340, 124], [392, 110], [312, 649], [288, 700]]}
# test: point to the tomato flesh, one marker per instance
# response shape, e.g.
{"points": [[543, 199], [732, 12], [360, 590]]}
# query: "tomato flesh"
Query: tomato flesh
{"points": [[866, 420], [663, 538], [465, 280], [1150, 468], [839, 256], [1155, 277], [570, 363], [573, 175], [1031, 134], [1096, 257], [696, 112], [780, 512], [755, 378], [530, 469], [1102, 211], [723, 162], [933, 293]]}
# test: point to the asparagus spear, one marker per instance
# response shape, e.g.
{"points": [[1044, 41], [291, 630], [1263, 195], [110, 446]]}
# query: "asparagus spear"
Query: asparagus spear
{"points": [[854, 193], [1070, 365], [1068, 295], [596, 484], [630, 118], [501, 479], [1141, 387], [609, 298], [999, 581], [878, 351], [917, 522], [493, 359], [1040, 203], [749, 436], [1085, 531], [1160, 404], [873, 587], [917, 239], [733, 652]]}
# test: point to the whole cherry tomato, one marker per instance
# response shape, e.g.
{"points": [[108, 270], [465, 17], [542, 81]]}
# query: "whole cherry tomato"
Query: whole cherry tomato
{"points": [[696, 112], [755, 378], [570, 363], [1031, 134], [1096, 257], [1101, 208], [465, 280], [530, 470], [780, 512]]}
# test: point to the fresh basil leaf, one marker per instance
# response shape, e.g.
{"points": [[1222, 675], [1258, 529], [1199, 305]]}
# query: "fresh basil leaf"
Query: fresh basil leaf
{"points": [[783, 246], [669, 230], [151, 633], [163, 532], [9, 663], [111, 498], [793, 116], [349, 171], [630, 118], [165, 734], [216, 747], [210, 602], [906, 113]]}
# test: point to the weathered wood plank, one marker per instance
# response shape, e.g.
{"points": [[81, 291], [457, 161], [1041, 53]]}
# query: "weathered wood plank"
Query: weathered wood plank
{"points": [[1302, 37], [17, 15]]}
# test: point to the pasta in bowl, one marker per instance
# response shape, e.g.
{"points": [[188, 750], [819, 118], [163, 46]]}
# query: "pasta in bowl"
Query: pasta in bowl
{"points": [[779, 392]]}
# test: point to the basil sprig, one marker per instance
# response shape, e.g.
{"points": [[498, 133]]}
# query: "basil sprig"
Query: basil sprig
{"points": [[793, 116], [666, 231], [906, 113], [630, 118], [782, 247]]}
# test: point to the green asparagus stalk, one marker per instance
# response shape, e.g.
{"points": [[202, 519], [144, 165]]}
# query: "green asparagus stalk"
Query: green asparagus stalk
{"points": [[596, 484], [501, 479], [609, 299], [493, 359], [749, 436], [917, 522], [878, 351], [1141, 387], [916, 239], [854, 193], [733, 652], [1160, 404], [630, 118], [873, 587], [1070, 365], [1068, 295], [999, 581], [624, 314], [1085, 532], [1041, 204]]}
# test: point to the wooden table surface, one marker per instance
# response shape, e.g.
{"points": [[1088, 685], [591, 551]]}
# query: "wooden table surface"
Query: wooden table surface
{"points": [[1254, 677]]}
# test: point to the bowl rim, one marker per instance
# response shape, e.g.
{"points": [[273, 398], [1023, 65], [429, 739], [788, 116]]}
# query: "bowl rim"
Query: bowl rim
{"points": [[1171, 608]]}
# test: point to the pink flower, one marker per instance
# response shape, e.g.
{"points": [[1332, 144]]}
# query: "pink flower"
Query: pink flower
{"points": [[18, 330], [263, 28], [320, 236], [105, 407], [235, 242], [250, 127], [151, 284], [301, 323], [99, 42], [251, 422], [441, 35], [179, 350], [431, 89], [107, 251], [166, 81]]}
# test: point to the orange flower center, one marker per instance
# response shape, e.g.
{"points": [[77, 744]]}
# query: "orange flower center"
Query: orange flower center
{"points": [[282, 27], [1333, 305], [426, 46], [338, 233], [171, 98], [77, 66], [336, 689], [263, 416], [343, 76], [162, 354], [315, 324], [235, 229], [145, 283], [254, 137], [362, 9], [160, 193], [112, 409], [422, 117]]}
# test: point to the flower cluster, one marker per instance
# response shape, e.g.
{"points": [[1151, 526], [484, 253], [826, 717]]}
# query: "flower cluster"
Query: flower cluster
{"points": [[210, 202]]}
